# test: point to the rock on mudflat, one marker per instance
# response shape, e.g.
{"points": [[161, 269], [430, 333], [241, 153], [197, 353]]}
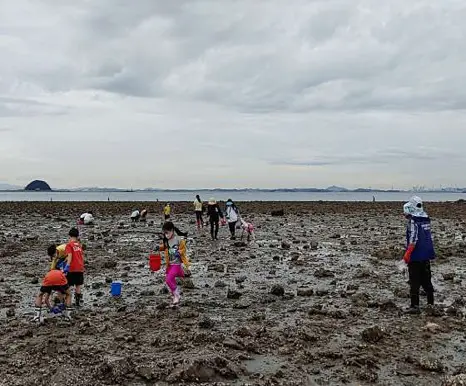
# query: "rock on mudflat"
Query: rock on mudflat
{"points": [[277, 290], [206, 323], [373, 334], [455, 380], [305, 292], [205, 369], [220, 284], [233, 294], [431, 365]]}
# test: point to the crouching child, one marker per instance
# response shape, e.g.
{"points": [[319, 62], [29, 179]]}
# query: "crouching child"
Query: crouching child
{"points": [[54, 280]]}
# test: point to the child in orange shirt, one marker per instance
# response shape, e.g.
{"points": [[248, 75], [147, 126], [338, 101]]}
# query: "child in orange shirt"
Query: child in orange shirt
{"points": [[54, 280]]}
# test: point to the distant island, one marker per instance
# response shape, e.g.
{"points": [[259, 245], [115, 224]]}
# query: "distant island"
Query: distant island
{"points": [[38, 186]]}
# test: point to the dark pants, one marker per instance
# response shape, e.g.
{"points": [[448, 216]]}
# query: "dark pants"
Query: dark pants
{"points": [[420, 276], [232, 226], [199, 217], [214, 227]]}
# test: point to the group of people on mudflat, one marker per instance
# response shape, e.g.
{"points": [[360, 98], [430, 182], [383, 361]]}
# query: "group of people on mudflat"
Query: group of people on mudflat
{"points": [[67, 260]]}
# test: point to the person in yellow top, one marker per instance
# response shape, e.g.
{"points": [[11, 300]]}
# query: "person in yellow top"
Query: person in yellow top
{"points": [[198, 208], [56, 254], [167, 211], [174, 248]]}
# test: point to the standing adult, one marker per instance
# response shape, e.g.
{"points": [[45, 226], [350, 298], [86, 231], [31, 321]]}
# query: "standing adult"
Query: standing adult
{"points": [[198, 207], [232, 215], [215, 213], [419, 252]]}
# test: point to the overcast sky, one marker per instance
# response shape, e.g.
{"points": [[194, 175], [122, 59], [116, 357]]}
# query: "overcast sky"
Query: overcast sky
{"points": [[233, 93]]}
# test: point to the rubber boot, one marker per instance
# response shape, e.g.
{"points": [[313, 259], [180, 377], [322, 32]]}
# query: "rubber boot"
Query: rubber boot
{"points": [[78, 299], [414, 308], [430, 298]]}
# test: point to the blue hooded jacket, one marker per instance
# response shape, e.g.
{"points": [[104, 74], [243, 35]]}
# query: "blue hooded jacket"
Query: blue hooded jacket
{"points": [[418, 232]]}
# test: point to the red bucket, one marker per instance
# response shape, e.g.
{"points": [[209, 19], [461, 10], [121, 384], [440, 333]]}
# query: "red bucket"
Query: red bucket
{"points": [[155, 262]]}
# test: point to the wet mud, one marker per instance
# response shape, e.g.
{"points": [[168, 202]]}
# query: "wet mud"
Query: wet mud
{"points": [[315, 300]]}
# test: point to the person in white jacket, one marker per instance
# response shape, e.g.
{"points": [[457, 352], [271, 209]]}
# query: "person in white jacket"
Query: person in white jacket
{"points": [[87, 218], [232, 215], [198, 208]]}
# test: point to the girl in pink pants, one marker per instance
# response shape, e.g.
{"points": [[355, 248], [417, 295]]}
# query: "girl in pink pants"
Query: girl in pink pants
{"points": [[175, 256]]}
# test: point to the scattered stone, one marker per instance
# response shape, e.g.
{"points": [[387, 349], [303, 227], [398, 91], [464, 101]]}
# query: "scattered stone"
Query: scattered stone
{"points": [[108, 280], [240, 279], [431, 365], [305, 292], [240, 244], [286, 245], [335, 236], [277, 290], [233, 294], [188, 284], [373, 334], [110, 264], [434, 310], [148, 293], [35, 281], [314, 245], [206, 323], [455, 380], [321, 292], [220, 284], [97, 285], [431, 327], [10, 313], [321, 273], [231, 343], [145, 372], [217, 267], [205, 369], [278, 213], [449, 276]]}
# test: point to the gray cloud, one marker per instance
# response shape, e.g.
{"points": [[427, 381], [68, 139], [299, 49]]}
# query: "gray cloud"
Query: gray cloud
{"points": [[238, 93]]}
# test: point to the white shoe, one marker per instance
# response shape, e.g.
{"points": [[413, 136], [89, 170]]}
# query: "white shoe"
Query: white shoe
{"points": [[176, 297]]}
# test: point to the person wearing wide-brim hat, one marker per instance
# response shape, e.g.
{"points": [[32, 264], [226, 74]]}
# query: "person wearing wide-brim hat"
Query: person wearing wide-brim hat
{"points": [[215, 213]]}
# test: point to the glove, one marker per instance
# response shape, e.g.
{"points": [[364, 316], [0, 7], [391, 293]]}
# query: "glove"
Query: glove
{"points": [[66, 269], [408, 253], [157, 248]]}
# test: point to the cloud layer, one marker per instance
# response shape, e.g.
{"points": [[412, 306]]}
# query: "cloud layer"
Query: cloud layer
{"points": [[202, 93]]}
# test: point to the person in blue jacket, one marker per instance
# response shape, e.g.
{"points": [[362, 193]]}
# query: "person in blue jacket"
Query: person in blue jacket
{"points": [[419, 252]]}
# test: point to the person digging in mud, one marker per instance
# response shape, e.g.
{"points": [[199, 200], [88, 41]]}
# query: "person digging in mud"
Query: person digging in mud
{"points": [[54, 280], [175, 255], [74, 266], [135, 216], [86, 218], [419, 252], [57, 254], [198, 209], [232, 215], [215, 213], [143, 217]]}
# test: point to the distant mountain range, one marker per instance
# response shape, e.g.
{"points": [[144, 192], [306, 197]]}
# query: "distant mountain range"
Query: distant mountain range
{"points": [[4, 186], [330, 189]]}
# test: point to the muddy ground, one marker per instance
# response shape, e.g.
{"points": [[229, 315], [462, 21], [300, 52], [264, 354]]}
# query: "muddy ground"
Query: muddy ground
{"points": [[316, 300]]}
